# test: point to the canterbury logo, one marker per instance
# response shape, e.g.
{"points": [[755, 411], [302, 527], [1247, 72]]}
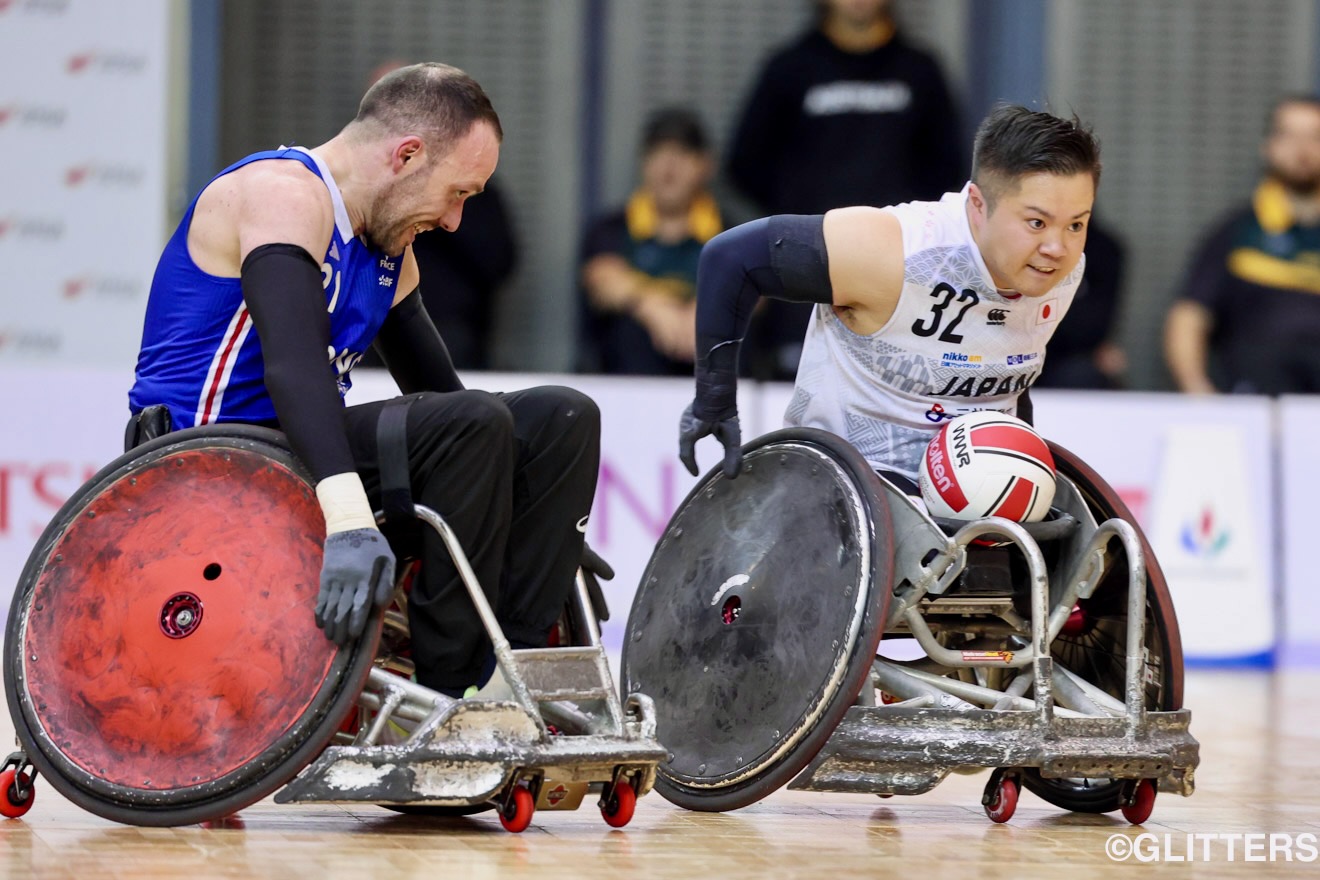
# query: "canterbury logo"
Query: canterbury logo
{"points": [[582, 524]]}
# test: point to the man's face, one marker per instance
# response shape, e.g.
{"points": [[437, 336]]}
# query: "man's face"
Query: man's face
{"points": [[1292, 150], [432, 196], [859, 13], [674, 175], [1034, 235]]}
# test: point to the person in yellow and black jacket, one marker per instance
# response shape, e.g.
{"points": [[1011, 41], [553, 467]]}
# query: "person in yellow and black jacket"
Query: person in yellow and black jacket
{"points": [[639, 264], [1248, 317]]}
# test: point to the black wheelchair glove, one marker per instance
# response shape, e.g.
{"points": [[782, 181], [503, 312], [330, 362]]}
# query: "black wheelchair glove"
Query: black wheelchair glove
{"points": [[357, 573], [594, 564], [715, 409]]}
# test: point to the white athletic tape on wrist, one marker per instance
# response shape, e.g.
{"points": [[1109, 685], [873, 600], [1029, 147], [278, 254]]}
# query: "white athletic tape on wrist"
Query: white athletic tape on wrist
{"points": [[344, 503]]}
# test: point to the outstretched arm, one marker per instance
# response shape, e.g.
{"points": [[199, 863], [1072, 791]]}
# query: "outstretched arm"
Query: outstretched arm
{"points": [[783, 257]]}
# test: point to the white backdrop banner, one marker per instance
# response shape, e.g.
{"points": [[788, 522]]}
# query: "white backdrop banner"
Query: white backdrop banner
{"points": [[83, 126], [1197, 473], [1298, 484]]}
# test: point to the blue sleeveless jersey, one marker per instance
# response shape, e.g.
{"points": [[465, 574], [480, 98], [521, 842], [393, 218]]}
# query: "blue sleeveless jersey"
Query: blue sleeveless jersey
{"points": [[200, 356]]}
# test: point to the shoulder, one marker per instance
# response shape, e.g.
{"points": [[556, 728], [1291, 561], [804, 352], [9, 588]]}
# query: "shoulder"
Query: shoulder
{"points": [[282, 184], [282, 201], [789, 57], [866, 253]]}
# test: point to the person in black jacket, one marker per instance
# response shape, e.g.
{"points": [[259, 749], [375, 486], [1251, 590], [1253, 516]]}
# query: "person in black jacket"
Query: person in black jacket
{"points": [[848, 114]]}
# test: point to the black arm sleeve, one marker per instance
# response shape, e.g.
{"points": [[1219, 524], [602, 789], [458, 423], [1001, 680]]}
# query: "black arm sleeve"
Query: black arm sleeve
{"points": [[282, 289], [413, 350], [782, 257]]}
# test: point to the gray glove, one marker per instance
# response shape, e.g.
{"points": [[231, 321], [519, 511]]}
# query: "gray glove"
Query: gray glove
{"points": [[357, 572]]}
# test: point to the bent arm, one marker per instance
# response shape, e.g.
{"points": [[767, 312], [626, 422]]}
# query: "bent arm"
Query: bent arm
{"points": [[782, 257], [1186, 346], [284, 219]]}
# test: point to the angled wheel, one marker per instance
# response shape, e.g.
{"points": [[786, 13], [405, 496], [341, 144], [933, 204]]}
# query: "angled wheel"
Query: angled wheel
{"points": [[1092, 643], [1003, 800], [1142, 802], [16, 793], [619, 806], [516, 815], [161, 661], [758, 615]]}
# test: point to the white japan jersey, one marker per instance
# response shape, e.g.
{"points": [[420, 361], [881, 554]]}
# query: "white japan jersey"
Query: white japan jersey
{"points": [[955, 344]]}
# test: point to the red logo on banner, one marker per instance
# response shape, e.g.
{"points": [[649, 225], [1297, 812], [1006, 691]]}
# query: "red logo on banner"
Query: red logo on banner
{"points": [[5, 4], [73, 287], [4, 228], [75, 176], [79, 63], [5, 112], [38, 489]]}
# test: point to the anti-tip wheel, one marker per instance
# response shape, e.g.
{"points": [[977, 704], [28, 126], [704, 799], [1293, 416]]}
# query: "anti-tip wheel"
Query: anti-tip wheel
{"points": [[619, 806]]}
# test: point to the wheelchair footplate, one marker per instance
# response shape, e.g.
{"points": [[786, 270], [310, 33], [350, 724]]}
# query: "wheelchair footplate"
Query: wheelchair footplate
{"points": [[561, 735], [468, 753]]}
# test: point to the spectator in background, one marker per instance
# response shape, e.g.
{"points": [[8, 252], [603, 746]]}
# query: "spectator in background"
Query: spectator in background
{"points": [[1082, 351], [849, 114], [639, 264], [463, 272], [1248, 316]]}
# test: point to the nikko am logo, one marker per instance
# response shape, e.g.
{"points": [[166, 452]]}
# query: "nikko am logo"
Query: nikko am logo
{"points": [[960, 360]]}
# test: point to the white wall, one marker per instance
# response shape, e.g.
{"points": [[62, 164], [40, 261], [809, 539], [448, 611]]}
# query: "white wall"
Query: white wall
{"points": [[83, 138]]}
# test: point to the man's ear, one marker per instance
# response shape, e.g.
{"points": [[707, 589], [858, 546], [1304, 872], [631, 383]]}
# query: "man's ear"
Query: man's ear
{"points": [[409, 151], [976, 198]]}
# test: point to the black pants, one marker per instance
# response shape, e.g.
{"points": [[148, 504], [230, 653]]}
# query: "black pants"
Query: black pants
{"points": [[514, 476]]}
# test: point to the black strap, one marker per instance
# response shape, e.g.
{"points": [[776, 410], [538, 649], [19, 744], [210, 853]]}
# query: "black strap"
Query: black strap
{"points": [[148, 424], [401, 524]]}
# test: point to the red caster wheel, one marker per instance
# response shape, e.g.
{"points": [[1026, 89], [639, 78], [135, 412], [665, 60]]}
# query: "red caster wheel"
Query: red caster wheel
{"points": [[516, 815], [1139, 808], [16, 793], [1002, 799], [619, 806]]}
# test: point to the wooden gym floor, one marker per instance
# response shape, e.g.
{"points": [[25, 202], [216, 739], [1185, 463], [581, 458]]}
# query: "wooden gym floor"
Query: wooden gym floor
{"points": [[1260, 775]]}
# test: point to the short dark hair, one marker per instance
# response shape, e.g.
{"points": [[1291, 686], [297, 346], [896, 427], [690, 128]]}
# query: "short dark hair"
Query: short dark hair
{"points": [[1013, 142], [676, 125], [439, 102], [1271, 120]]}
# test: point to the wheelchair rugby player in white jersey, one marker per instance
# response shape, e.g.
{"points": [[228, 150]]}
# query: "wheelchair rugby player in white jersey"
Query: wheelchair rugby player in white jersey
{"points": [[1049, 651]]}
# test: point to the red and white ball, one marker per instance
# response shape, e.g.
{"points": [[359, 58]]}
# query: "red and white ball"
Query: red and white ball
{"points": [[987, 464]]}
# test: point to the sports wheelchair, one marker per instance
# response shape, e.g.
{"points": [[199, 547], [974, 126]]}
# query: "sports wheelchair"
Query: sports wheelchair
{"points": [[1049, 651], [162, 665]]}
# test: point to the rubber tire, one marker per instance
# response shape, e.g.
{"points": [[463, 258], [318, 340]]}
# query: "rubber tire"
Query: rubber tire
{"points": [[9, 807], [517, 815], [766, 782], [618, 810], [294, 757], [1005, 802]]}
